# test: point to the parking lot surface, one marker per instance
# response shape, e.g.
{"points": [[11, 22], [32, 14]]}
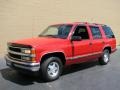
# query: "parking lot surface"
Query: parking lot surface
{"points": [[87, 76]]}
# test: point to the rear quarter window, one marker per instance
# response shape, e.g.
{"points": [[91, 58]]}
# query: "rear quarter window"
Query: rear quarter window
{"points": [[108, 32], [96, 32]]}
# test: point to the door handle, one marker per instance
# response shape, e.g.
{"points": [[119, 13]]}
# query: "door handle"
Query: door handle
{"points": [[90, 43], [103, 42]]}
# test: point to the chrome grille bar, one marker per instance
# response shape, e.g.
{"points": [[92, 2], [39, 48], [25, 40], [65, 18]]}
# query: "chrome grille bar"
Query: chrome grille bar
{"points": [[21, 54]]}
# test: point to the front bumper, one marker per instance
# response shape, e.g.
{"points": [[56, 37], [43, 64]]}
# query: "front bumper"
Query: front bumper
{"points": [[34, 67]]}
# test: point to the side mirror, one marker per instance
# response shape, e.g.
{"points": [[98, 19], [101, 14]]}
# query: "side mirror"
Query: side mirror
{"points": [[76, 38]]}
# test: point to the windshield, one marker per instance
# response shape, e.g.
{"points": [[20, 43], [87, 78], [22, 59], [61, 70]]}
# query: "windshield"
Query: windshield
{"points": [[56, 31]]}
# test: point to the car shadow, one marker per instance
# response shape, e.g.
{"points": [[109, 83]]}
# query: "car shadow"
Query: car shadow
{"points": [[18, 78], [79, 67], [24, 80]]}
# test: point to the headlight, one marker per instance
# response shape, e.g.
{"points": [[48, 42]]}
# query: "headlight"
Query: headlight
{"points": [[31, 52], [26, 51]]}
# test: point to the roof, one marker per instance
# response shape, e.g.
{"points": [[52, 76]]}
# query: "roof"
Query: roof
{"points": [[89, 23], [83, 23]]}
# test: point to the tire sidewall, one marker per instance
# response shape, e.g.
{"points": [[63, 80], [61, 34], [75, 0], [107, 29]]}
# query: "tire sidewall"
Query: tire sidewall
{"points": [[44, 67], [103, 59]]}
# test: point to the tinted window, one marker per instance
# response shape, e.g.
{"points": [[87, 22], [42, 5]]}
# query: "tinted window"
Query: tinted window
{"points": [[108, 32], [96, 32], [81, 31]]}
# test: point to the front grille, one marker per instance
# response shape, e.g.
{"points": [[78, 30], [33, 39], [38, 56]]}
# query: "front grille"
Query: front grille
{"points": [[14, 56], [15, 51]]}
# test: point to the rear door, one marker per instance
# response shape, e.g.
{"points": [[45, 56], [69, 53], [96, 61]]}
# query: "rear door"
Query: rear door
{"points": [[97, 40]]}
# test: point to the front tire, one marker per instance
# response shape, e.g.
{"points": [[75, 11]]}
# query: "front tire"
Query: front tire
{"points": [[105, 58], [51, 68]]}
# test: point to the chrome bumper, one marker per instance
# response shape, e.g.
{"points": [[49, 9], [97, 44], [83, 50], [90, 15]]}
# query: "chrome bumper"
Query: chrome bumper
{"points": [[22, 65]]}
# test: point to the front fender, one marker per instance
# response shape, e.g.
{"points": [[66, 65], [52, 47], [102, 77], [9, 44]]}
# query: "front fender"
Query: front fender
{"points": [[50, 52]]}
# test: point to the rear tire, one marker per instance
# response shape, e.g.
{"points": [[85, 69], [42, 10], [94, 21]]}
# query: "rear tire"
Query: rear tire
{"points": [[105, 58], [51, 68]]}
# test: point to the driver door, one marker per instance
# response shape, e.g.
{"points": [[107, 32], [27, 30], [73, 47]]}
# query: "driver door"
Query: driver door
{"points": [[82, 48]]}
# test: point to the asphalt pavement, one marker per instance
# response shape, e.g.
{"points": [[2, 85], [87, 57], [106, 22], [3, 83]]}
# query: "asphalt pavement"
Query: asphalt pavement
{"points": [[86, 76]]}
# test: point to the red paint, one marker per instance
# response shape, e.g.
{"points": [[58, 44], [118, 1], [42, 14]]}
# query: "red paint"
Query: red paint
{"points": [[44, 45]]}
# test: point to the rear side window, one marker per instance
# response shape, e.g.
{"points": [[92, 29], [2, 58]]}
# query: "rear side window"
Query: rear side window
{"points": [[108, 32], [96, 32]]}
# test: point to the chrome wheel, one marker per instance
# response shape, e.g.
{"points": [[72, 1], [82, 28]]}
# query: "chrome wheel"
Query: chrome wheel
{"points": [[106, 56], [53, 69]]}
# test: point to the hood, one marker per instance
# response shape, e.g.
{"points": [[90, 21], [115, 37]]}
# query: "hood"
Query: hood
{"points": [[39, 41]]}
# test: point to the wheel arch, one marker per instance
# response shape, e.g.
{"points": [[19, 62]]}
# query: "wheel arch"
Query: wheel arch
{"points": [[108, 47], [61, 55]]}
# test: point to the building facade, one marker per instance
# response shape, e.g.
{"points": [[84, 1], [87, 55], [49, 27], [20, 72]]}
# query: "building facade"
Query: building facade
{"points": [[27, 18]]}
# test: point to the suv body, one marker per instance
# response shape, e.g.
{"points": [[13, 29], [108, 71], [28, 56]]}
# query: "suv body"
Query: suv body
{"points": [[61, 45]]}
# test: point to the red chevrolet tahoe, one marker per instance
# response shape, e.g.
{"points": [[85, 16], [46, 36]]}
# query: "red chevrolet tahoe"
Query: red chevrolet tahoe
{"points": [[61, 45]]}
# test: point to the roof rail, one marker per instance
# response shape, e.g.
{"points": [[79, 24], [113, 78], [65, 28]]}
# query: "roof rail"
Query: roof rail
{"points": [[95, 23], [90, 23], [82, 22]]}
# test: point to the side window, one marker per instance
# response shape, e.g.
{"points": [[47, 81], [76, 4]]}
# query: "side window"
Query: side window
{"points": [[108, 32], [95, 32], [81, 31]]}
